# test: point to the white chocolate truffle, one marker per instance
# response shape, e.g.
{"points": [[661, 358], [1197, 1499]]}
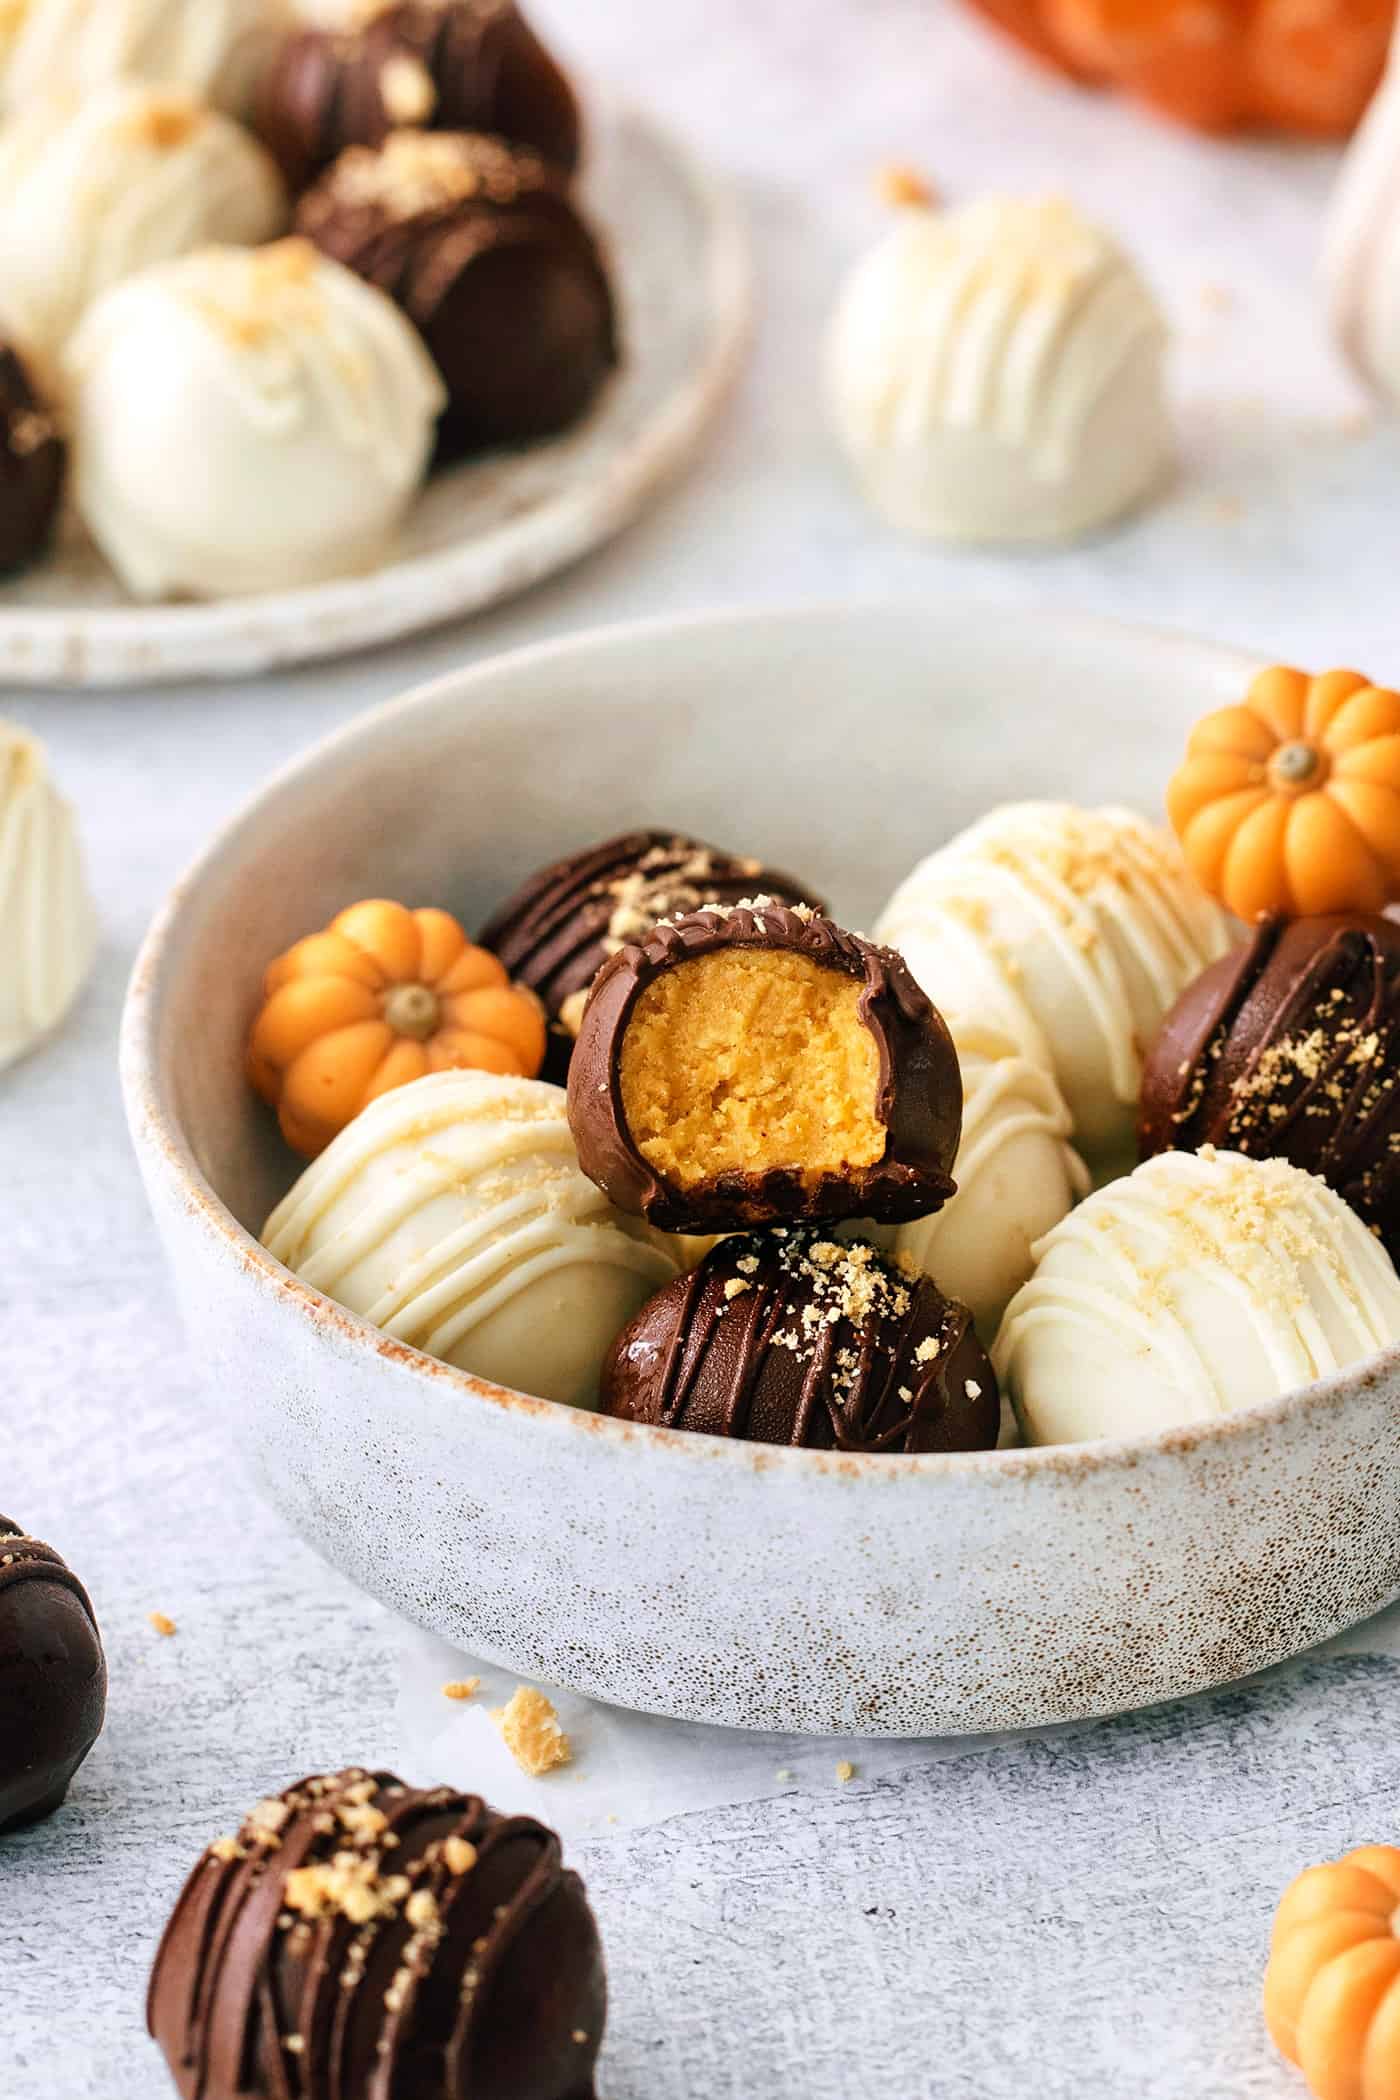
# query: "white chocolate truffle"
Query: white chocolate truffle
{"points": [[996, 373], [1071, 931], [93, 191], [1202, 1283], [1361, 255], [1017, 1175], [247, 420], [48, 928], [453, 1214], [212, 47]]}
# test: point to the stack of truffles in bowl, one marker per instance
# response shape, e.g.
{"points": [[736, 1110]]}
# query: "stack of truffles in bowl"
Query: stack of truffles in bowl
{"points": [[340, 255], [878, 1196]]}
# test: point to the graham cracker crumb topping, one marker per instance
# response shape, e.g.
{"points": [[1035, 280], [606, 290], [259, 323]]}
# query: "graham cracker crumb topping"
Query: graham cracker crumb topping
{"points": [[532, 1732]]}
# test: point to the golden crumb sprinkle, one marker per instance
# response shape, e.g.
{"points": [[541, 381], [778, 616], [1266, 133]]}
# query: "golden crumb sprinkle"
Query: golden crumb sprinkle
{"points": [[165, 1627], [845, 1772], [461, 1688], [165, 121], [350, 1886], [532, 1733], [459, 1855], [226, 1849], [899, 184], [406, 89]]}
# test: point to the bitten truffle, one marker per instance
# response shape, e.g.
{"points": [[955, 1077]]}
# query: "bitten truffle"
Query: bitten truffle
{"points": [[53, 1678], [479, 244], [746, 1066], [33, 460], [1289, 1048], [436, 65], [788, 1337], [362, 1938], [562, 925]]}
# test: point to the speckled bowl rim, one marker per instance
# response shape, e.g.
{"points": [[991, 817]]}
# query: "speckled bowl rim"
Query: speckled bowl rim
{"points": [[155, 1129]]}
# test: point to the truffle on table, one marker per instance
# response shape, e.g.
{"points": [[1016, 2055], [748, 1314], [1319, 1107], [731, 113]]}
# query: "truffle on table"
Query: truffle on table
{"points": [[791, 1337], [1289, 1048], [53, 1678], [479, 244], [440, 65], [33, 461], [561, 926], [745, 1066], [367, 1939]]}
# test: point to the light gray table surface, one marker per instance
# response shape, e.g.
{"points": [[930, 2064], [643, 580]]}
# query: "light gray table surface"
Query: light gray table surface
{"points": [[1078, 1914]]}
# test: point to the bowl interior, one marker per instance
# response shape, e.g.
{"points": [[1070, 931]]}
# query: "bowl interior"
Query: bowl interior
{"points": [[840, 744]]}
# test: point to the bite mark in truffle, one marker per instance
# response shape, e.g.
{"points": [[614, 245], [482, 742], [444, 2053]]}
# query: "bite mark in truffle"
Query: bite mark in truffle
{"points": [[53, 1678], [1289, 1048], [790, 1337], [758, 1064], [562, 925], [364, 1938]]}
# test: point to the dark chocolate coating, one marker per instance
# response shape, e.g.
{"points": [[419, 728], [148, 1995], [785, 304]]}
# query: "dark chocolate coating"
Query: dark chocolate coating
{"points": [[747, 1346], [53, 1678], [1289, 1048], [561, 926], [918, 1098], [479, 244], [33, 461], [324, 90], [492, 1991]]}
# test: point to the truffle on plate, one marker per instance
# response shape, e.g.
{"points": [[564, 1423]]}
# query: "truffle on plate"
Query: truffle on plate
{"points": [[481, 246], [439, 65], [33, 461], [363, 1938], [53, 1678], [48, 927], [1201, 1283], [1071, 931], [452, 1214], [995, 373], [212, 47], [93, 190], [315, 405], [559, 928], [1289, 1048], [792, 1337], [1017, 1175], [746, 1065]]}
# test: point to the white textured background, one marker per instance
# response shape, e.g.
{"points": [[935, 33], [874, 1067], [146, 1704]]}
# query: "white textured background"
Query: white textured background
{"points": [[1082, 1914]]}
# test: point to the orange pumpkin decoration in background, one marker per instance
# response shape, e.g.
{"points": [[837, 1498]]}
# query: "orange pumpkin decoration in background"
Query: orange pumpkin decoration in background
{"points": [[1290, 802], [384, 996], [1332, 1992], [1217, 65]]}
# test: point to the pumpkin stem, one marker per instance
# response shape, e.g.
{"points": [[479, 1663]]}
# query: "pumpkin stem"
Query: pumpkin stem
{"points": [[1297, 767], [413, 1010]]}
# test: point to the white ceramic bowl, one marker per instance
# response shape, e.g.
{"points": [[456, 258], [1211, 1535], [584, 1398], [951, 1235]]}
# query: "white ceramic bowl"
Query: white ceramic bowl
{"points": [[683, 1574]]}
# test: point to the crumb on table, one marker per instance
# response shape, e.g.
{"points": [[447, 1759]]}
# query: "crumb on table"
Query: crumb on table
{"points": [[532, 1733]]}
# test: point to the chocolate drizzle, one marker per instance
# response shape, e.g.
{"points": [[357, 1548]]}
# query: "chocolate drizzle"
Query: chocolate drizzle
{"points": [[53, 1678], [441, 65], [790, 1337], [479, 243], [918, 1097], [561, 926], [363, 1940], [1289, 1048]]}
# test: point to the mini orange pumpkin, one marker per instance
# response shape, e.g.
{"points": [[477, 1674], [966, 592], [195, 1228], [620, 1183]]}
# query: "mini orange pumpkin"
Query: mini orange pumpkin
{"points": [[1217, 65], [1290, 802], [1332, 1992], [383, 996]]}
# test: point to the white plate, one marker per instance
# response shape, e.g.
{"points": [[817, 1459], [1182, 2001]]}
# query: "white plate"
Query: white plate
{"points": [[684, 1574], [481, 531]]}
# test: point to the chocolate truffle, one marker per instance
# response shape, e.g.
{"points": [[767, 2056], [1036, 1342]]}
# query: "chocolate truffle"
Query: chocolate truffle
{"points": [[439, 65], [561, 926], [1289, 1048], [479, 244], [364, 1939], [33, 457], [53, 1678], [757, 1064], [789, 1337]]}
